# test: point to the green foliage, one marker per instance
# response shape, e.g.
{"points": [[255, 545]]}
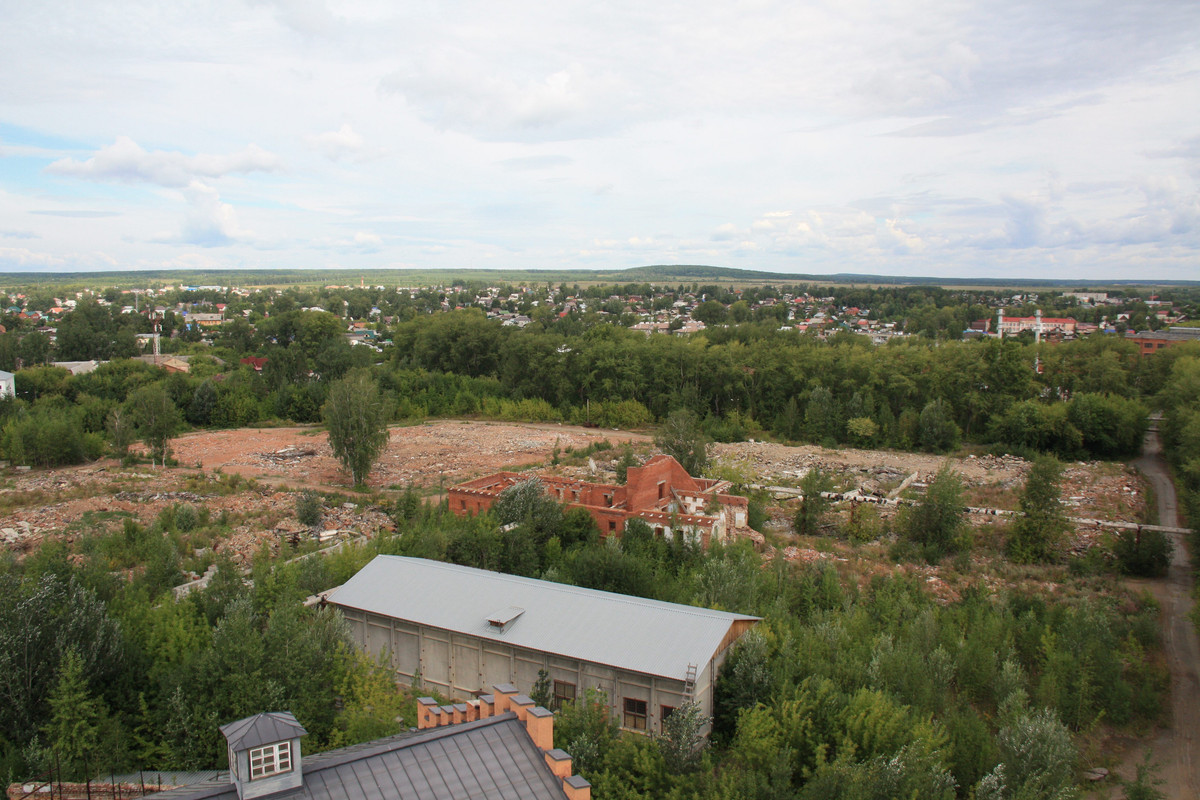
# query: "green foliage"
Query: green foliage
{"points": [[1036, 534], [682, 437], [911, 772], [1143, 553], [743, 682], [76, 717], [862, 431], [1145, 785], [47, 436], [865, 524], [936, 430], [42, 618], [578, 528], [728, 578], [187, 518], [1037, 760], [204, 401], [541, 693], [936, 525], [683, 741], [822, 422], [156, 418], [811, 514], [356, 416], [120, 427], [609, 569], [309, 509], [527, 501], [372, 705], [586, 730], [626, 461], [1110, 426]]}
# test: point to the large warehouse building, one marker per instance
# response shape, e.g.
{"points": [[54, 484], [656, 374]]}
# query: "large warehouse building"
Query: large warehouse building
{"points": [[466, 629]]}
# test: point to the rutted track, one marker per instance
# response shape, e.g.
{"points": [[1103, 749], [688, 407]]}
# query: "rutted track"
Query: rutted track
{"points": [[1175, 747]]}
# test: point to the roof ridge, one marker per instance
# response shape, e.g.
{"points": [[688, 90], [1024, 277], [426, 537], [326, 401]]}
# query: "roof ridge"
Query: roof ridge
{"points": [[646, 602], [399, 741]]}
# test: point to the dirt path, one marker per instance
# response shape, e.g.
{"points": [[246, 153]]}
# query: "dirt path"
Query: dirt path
{"points": [[1174, 747]]}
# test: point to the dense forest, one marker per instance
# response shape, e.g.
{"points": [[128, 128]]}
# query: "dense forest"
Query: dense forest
{"points": [[848, 689]]}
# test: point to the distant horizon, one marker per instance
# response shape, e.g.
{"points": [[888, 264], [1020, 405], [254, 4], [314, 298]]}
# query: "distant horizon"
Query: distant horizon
{"points": [[622, 275], [1027, 140]]}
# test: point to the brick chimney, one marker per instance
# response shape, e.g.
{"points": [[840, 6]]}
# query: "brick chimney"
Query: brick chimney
{"points": [[539, 724]]}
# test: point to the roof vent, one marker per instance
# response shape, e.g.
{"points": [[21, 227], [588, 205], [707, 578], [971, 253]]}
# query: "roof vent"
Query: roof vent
{"points": [[505, 617]]}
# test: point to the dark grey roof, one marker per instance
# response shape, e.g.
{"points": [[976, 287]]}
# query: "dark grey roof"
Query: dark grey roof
{"points": [[265, 728], [492, 758], [633, 633]]}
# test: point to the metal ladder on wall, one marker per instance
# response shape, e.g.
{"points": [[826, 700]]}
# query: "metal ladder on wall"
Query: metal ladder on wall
{"points": [[689, 683]]}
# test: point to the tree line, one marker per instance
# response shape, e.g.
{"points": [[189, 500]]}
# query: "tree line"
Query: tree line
{"points": [[1081, 399]]}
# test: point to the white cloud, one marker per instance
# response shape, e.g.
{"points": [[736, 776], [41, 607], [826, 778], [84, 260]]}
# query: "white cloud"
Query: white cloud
{"points": [[360, 242], [209, 221], [19, 258], [307, 17], [125, 161], [725, 233], [454, 91], [902, 135], [335, 145]]}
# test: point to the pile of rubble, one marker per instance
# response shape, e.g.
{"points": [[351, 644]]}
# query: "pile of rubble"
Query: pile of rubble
{"points": [[288, 455]]}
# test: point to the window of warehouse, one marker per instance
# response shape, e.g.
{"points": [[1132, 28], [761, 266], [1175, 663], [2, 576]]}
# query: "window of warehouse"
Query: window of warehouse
{"points": [[635, 714]]}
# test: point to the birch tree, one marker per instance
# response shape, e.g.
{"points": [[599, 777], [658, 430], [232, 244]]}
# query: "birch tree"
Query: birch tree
{"points": [[356, 415]]}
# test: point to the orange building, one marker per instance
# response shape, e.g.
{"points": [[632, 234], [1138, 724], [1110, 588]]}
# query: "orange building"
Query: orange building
{"points": [[660, 492], [1153, 341]]}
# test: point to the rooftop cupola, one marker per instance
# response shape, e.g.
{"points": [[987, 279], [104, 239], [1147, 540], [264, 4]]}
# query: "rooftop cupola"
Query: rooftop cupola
{"points": [[264, 753]]}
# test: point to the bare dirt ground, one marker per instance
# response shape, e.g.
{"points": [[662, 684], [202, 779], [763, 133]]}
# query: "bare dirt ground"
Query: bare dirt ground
{"points": [[75, 501], [445, 452], [1174, 747]]}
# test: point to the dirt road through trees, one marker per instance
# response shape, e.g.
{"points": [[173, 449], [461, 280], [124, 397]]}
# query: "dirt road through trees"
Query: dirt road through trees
{"points": [[1175, 747]]}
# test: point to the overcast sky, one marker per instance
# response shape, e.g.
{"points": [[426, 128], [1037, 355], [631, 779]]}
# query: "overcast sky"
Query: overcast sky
{"points": [[1001, 139]]}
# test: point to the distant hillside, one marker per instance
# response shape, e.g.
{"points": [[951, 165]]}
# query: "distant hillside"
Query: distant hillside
{"points": [[655, 273]]}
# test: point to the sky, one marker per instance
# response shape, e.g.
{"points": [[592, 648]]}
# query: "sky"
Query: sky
{"points": [[1005, 139]]}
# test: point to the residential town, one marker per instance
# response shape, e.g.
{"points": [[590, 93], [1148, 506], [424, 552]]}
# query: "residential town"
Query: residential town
{"points": [[197, 314]]}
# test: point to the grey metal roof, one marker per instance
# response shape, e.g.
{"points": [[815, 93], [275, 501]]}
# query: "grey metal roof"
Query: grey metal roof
{"points": [[265, 728], [492, 758], [631, 633]]}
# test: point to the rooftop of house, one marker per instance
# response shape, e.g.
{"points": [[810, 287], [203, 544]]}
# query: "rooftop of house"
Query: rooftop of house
{"points": [[631, 633], [261, 729], [492, 758]]}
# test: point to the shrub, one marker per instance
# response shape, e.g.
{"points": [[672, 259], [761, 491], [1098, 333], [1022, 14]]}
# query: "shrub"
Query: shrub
{"points": [[1037, 532], [813, 506], [308, 509], [936, 524], [1143, 553], [936, 430], [186, 518], [1037, 757]]}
